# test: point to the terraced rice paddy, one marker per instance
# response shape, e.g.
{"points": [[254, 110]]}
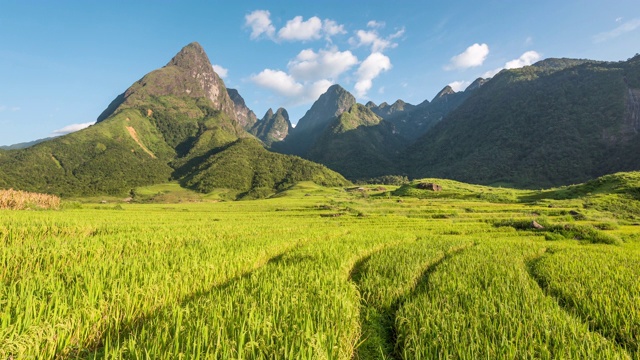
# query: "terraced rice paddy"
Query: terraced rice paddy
{"points": [[328, 275]]}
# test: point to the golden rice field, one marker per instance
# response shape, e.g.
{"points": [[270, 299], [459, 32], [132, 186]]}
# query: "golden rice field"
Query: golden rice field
{"points": [[318, 274]]}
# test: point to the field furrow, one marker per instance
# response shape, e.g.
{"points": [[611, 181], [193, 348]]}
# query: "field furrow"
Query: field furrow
{"points": [[385, 280], [483, 304], [604, 293]]}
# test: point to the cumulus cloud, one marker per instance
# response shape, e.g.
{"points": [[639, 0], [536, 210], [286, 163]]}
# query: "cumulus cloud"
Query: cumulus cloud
{"points": [[473, 56], [324, 64], [525, 59], [285, 85], [459, 85], [260, 23], [221, 71], [373, 39], [375, 24], [628, 26], [332, 28], [297, 29], [71, 128], [279, 81], [370, 68]]}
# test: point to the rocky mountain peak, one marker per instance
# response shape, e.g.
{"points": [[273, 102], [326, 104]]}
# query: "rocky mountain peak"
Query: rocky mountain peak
{"points": [[272, 127], [447, 90], [268, 114], [188, 74], [191, 57], [246, 117], [476, 84], [329, 105], [283, 112]]}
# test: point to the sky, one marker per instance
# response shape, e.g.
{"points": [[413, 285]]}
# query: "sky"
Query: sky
{"points": [[62, 62]]}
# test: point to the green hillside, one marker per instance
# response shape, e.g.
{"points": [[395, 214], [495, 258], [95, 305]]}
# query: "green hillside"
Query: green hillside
{"points": [[111, 157], [254, 172], [556, 123], [172, 124], [358, 144]]}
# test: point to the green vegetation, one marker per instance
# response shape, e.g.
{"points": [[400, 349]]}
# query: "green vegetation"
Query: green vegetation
{"points": [[316, 272], [255, 172], [539, 126], [358, 145], [168, 126], [273, 127]]}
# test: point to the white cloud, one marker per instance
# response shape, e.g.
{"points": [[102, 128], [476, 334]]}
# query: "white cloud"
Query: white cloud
{"points": [[313, 92], [221, 71], [15, 108], [370, 68], [71, 128], [375, 24], [3, 108], [381, 90], [620, 30], [528, 41], [459, 85], [618, 19], [473, 56], [279, 81], [325, 64], [332, 28], [296, 29], [373, 39], [285, 85], [260, 23], [525, 59]]}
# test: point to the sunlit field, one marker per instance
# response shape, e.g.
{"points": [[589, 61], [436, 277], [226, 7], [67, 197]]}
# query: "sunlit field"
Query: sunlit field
{"points": [[318, 273]]}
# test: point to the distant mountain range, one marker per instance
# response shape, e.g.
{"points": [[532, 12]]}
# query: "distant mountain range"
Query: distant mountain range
{"points": [[557, 122]]}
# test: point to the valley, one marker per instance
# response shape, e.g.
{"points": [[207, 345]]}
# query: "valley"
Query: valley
{"points": [[501, 221]]}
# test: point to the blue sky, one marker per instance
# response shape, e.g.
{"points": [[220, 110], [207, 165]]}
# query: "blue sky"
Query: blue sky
{"points": [[62, 62]]}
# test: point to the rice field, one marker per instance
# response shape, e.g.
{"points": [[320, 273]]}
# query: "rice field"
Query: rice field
{"points": [[317, 274]]}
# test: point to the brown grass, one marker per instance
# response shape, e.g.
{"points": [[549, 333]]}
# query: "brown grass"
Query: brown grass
{"points": [[21, 200]]}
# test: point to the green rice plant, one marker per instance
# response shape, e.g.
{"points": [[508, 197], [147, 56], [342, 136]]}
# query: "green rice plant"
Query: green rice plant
{"points": [[482, 304], [600, 285], [386, 279], [301, 305]]}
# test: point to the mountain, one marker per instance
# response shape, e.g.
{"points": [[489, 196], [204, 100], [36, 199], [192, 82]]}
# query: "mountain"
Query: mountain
{"points": [[346, 136], [189, 75], [246, 117], [247, 167], [358, 144], [24, 145], [177, 122], [329, 105], [272, 127], [385, 110], [558, 122], [416, 121]]}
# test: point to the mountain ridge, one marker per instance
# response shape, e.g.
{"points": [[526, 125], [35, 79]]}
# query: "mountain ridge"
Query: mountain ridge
{"points": [[175, 123]]}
